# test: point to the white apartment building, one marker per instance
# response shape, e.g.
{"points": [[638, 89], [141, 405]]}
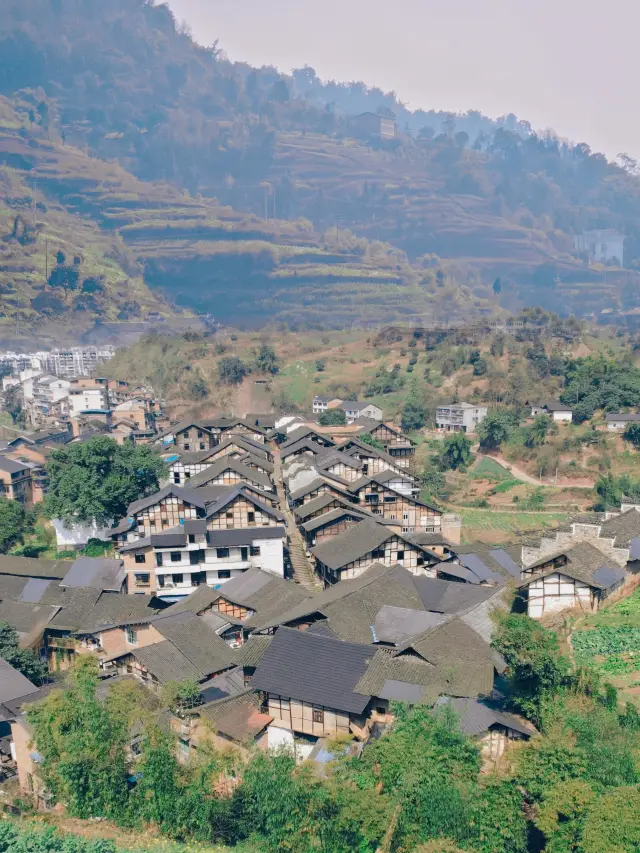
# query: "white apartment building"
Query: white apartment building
{"points": [[460, 417], [173, 563]]}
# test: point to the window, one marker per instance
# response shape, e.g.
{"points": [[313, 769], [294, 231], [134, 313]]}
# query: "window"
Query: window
{"points": [[192, 538], [380, 710], [224, 575], [160, 580], [318, 715], [400, 555], [187, 474], [176, 478], [255, 550], [251, 517], [405, 516], [159, 559], [187, 445], [131, 636], [390, 499], [378, 554], [222, 553], [198, 578], [142, 580], [141, 558], [177, 578], [229, 515], [202, 446], [176, 556], [200, 435]]}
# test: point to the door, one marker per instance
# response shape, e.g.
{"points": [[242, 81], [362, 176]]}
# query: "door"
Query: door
{"points": [[244, 554]]}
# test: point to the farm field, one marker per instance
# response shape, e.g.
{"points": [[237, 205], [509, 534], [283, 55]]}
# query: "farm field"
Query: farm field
{"points": [[610, 640], [489, 526]]}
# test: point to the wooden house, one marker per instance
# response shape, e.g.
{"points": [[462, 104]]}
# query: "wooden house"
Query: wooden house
{"points": [[229, 472], [348, 554], [577, 577], [377, 496]]}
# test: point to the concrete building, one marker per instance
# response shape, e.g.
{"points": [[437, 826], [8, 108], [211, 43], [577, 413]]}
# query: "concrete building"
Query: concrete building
{"points": [[460, 417], [619, 421], [557, 411], [373, 124], [603, 246]]}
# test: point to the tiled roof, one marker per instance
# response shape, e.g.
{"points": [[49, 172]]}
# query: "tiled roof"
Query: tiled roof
{"points": [[217, 468], [111, 611], [584, 563], [333, 515], [237, 491], [266, 594], [243, 536], [96, 572], [167, 663], [236, 717], [314, 669], [197, 641], [252, 651], [191, 497], [303, 491], [13, 684], [475, 717], [11, 466], [305, 510], [622, 528], [35, 568]]}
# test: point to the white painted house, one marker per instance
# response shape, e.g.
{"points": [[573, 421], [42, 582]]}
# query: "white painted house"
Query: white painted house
{"points": [[604, 246], [557, 411], [621, 422]]}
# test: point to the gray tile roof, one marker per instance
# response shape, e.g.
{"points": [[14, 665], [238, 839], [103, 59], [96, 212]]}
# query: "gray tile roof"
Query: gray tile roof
{"points": [[397, 624], [11, 466], [167, 663], [332, 516], [29, 620], [265, 594], [188, 496], [197, 641], [622, 528], [253, 650], [112, 610], [303, 511], [301, 433], [475, 717], [585, 563], [356, 541], [314, 669], [218, 468], [251, 459], [243, 536], [96, 572], [629, 417], [353, 446], [13, 684], [236, 717], [34, 568], [237, 491], [332, 485]]}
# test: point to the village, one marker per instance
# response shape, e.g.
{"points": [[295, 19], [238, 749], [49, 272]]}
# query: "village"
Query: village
{"points": [[288, 571]]}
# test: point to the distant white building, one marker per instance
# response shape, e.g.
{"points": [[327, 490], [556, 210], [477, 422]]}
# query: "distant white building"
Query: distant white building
{"points": [[558, 411], [620, 421], [604, 246], [460, 417], [353, 409]]}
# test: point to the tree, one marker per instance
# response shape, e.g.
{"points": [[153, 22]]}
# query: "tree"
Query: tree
{"points": [[455, 454], [536, 667], [372, 442], [497, 286], [332, 417], [632, 434], [609, 491], [480, 367], [24, 660], [14, 523], [413, 414], [181, 696], [495, 429], [537, 433], [266, 360], [232, 370], [83, 747], [97, 480]]}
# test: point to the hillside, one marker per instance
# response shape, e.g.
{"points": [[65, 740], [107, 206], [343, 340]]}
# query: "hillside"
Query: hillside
{"points": [[143, 241], [243, 193]]}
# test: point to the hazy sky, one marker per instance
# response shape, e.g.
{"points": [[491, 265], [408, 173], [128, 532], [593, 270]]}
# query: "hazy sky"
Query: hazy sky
{"points": [[561, 64]]}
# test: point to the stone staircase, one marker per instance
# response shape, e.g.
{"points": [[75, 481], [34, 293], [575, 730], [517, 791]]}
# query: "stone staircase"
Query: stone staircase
{"points": [[303, 571]]}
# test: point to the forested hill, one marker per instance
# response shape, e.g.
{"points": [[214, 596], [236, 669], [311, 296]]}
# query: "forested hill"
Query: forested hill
{"points": [[461, 196]]}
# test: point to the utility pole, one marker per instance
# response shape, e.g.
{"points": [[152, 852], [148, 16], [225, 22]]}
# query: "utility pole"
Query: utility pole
{"points": [[46, 261]]}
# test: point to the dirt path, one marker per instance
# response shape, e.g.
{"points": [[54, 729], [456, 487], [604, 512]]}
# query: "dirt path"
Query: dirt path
{"points": [[519, 474]]}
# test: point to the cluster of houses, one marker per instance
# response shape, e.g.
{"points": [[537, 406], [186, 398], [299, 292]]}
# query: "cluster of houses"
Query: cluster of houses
{"points": [[60, 411], [294, 574]]}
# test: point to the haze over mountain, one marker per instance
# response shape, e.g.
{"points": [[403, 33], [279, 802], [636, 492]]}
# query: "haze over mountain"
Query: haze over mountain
{"points": [[561, 64], [253, 195]]}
